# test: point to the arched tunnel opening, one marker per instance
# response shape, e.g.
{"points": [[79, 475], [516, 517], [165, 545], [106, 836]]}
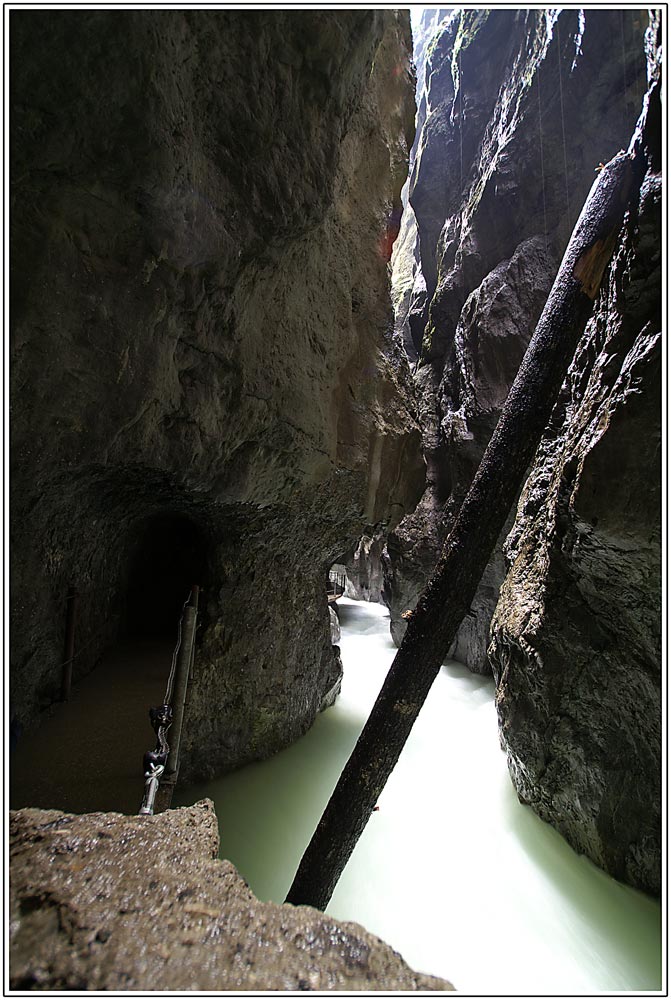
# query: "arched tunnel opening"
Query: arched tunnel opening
{"points": [[164, 554], [169, 556]]}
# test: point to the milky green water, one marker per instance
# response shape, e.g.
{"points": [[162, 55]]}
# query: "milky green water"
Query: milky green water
{"points": [[451, 871]]}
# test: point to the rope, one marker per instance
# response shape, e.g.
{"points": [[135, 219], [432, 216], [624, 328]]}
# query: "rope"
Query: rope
{"points": [[540, 136], [161, 720], [155, 761], [173, 667], [624, 73], [563, 132], [163, 746], [461, 127]]}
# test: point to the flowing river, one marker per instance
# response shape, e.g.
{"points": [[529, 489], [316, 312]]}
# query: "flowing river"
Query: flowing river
{"points": [[451, 870]]}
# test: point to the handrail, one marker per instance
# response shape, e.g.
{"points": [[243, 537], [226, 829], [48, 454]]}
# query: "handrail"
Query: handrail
{"points": [[161, 766]]}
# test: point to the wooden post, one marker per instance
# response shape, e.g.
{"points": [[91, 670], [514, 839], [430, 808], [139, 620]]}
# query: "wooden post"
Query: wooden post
{"points": [[69, 651]]}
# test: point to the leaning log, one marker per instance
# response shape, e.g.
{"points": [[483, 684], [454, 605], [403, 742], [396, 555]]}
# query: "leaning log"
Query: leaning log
{"points": [[448, 595]]}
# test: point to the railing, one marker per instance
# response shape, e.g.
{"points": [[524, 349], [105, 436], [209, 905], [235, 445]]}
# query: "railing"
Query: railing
{"points": [[74, 605], [161, 765], [337, 581]]}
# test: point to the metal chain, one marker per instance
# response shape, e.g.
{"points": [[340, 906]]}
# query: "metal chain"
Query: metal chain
{"points": [[162, 747]]}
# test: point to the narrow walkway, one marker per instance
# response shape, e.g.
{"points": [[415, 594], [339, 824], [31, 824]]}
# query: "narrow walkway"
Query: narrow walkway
{"points": [[87, 755]]}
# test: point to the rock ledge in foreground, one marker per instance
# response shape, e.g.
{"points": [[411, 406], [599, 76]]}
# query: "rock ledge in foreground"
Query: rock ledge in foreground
{"points": [[104, 901]]}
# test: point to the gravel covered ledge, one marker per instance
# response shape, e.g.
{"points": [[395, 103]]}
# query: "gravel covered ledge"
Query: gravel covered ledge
{"points": [[110, 902]]}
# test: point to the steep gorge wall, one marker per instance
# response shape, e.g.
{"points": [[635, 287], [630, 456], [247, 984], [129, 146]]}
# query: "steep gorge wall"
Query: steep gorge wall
{"points": [[576, 636], [521, 105], [202, 209]]}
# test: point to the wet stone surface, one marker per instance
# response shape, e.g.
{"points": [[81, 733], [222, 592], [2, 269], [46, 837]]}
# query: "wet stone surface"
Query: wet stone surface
{"points": [[110, 902]]}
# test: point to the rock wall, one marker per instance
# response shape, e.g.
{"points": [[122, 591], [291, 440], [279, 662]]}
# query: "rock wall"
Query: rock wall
{"points": [[520, 106], [366, 568], [110, 902], [408, 284], [576, 637], [203, 204]]}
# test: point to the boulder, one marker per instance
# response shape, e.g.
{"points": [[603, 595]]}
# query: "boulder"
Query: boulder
{"points": [[134, 903]]}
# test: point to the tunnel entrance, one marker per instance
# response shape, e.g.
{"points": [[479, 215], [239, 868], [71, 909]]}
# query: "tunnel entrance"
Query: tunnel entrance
{"points": [[169, 557]]}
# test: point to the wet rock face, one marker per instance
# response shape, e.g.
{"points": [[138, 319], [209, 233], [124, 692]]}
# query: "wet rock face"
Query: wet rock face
{"points": [[203, 204], [576, 637], [366, 568], [111, 902], [521, 106]]}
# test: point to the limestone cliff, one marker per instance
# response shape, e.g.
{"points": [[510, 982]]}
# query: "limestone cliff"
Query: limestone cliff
{"points": [[576, 637], [366, 568], [135, 903], [521, 106], [203, 204]]}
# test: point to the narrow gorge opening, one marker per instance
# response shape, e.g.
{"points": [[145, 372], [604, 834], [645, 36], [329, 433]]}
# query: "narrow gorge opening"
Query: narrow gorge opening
{"points": [[231, 366]]}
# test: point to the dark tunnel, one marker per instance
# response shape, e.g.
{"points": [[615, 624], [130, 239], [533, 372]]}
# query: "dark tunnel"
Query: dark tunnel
{"points": [[168, 558]]}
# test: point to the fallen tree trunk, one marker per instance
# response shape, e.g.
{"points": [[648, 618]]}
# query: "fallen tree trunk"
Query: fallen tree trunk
{"points": [[467, 550]]}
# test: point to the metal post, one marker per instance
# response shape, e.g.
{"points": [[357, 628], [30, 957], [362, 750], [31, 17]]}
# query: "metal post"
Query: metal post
{"points": [[152, 778], [195, 593], [179, 695], [184, 660], [68, 656]]}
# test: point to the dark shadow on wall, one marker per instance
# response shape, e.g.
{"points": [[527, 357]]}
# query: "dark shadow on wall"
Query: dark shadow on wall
{"points": [[168, 557]]}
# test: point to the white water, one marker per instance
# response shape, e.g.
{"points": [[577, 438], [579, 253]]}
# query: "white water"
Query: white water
{"points": [[451, 871]]}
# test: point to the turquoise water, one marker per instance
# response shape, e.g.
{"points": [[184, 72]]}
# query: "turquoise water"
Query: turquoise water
{"points": [[451, 871]]}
